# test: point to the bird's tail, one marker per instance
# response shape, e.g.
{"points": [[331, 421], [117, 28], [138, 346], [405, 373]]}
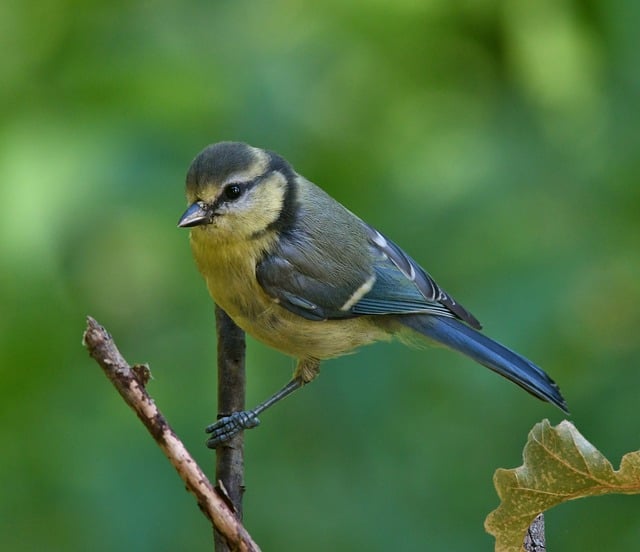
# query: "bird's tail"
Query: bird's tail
{"points": [[458, 336]]}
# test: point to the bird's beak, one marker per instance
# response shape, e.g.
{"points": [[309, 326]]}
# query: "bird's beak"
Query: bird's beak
{"points": [[195, 215]]}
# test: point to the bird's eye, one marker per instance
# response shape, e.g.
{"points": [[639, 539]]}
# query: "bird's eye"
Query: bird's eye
{"points": [[232, 191]]}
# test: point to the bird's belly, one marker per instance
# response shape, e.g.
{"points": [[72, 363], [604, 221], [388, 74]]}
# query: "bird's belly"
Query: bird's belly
{"points": [[265, 320], [302, 338]]}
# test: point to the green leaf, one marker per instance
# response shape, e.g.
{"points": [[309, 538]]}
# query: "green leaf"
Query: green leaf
{"points": [[559, 465]]}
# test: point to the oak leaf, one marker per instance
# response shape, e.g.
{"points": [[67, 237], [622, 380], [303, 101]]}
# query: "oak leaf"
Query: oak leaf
{"points": [[559, 465]]}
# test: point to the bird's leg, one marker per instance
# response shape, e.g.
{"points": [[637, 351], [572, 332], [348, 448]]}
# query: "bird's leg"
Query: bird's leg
{"points": [[228, 426]]}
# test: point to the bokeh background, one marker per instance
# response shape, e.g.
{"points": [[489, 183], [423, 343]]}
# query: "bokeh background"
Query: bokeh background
{"points": [[496, 141]]}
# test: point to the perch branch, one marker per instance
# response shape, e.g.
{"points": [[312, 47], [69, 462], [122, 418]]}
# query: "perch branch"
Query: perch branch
{"points": [[130, 383], [231, 398], [534, 541]]}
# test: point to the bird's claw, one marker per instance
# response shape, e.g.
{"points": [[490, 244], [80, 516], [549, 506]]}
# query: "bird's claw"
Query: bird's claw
{"points": [[229, 426]]}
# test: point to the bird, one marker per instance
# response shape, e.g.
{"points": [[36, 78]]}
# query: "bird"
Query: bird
{"points": [[300, 272]]}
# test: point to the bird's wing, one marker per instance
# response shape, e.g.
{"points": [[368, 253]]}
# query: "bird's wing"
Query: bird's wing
{"points": [[382, 280], [400, 278], [314, 283]]}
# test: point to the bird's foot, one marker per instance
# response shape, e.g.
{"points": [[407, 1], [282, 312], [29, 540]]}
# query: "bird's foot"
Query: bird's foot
{"points": [[229, 426]]}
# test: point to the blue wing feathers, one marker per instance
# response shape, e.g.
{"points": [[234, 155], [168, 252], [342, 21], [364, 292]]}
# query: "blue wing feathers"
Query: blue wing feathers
{"points": [[383, 306], [416, 279], [394, 293], [295, 277]]}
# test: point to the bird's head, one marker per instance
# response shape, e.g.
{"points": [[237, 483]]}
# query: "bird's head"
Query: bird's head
{"points": [[236, 191]]}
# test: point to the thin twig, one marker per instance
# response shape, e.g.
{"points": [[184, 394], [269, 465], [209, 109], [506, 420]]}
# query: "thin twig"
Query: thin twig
{"points": [[130, 383], [231, 398], [534, 541]]}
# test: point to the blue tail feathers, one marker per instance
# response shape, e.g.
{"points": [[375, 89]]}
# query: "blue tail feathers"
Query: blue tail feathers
{"points": [[458, 336]]}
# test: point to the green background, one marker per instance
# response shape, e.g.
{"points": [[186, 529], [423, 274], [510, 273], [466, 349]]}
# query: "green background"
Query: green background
{"points": [[497, 142]]}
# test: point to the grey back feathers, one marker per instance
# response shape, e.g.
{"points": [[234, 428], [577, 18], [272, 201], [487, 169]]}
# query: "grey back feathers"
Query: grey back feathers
{"points": [[332, 265]]}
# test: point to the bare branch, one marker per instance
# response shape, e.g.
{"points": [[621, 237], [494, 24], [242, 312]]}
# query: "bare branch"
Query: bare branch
{"points": [[130, 383], [534, 541], [231, 398]]}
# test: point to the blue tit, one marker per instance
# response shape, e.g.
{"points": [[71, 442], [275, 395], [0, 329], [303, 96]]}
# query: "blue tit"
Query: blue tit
{"points": [[298, 271]]}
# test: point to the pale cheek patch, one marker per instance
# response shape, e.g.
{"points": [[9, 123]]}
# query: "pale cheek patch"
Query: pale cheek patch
{"points": [[267, 202]]}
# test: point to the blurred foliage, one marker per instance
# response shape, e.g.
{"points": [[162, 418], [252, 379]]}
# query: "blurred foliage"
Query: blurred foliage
{"points": [[496, 141]]}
